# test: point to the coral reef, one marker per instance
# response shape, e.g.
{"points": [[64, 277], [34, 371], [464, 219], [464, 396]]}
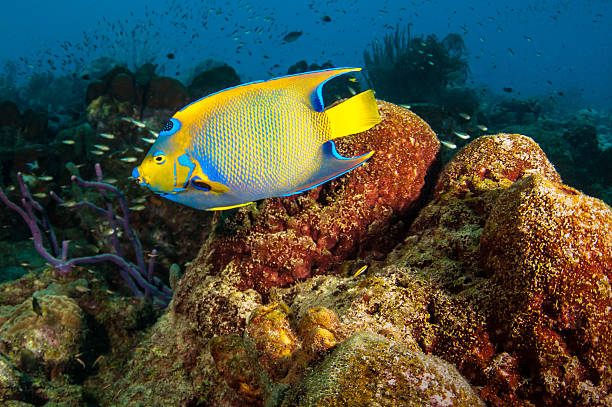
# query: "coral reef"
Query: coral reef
{"points": [[491, 284], [504, 274], [548, 250], [368, 370], [405, 68], [45, 330], [282, 240]]}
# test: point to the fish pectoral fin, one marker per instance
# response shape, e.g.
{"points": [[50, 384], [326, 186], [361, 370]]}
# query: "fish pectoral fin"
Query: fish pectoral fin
{"points": [[199, 179], [223, 208], [333, 165]]}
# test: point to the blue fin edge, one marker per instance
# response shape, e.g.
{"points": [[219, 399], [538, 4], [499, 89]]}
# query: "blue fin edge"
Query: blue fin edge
{"points": [[339, 157], [317, 101]]}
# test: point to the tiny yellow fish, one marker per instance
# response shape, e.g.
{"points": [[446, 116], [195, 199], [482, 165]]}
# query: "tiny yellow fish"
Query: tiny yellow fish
{"points": [[137, 207], [254, 141], [97, 152], [465, 116], [360, 271], [40, 195], [482, 127]]}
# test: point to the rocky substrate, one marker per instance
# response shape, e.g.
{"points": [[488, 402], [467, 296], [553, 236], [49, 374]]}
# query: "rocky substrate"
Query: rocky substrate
{"points": [[490, 286]]}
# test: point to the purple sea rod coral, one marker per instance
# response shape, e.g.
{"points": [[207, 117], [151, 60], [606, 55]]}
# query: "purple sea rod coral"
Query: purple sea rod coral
{"points": [[139, 277]]}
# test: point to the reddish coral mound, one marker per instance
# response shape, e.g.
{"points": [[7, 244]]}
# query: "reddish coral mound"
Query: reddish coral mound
{"points": [[281, 240], [491, 162], [548, 249]]}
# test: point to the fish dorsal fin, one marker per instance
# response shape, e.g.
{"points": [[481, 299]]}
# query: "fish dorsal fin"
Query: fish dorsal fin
{"points": [[308, 85], [332, 166]]}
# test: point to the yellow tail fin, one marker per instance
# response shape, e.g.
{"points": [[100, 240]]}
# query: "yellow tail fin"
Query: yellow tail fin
{"points": [[354, 115]]}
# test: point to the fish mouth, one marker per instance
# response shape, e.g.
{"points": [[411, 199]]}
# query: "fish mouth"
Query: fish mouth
{"points": [[139, 178]]}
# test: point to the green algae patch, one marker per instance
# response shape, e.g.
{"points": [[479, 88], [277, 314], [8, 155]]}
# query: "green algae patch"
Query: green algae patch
{"points": [[369, 370]]}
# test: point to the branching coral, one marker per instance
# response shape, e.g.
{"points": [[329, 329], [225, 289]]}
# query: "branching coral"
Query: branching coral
{"points": [[415, 69], [139, 276]]}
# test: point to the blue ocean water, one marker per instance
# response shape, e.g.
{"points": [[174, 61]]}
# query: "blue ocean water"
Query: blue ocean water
{"points": [[534, 48]]}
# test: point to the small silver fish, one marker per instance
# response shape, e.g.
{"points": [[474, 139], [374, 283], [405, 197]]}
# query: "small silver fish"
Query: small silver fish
{"points": [[482, 127], [40, 195], [129, 159], [154, 133], [69, 142], [138, 149], [465, 116], [134, 122], [148, 140], [448, 144], [110, 180], [462, 136], [102, 147], [108, 136], [97, 152], [46, 178], [137, 207]]}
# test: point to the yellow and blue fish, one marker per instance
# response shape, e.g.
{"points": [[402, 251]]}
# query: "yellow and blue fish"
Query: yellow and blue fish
{"points": [[254, 141]]}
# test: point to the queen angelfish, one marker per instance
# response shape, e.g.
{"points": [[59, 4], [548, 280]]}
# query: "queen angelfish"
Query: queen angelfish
{"points": [[254, 141]]}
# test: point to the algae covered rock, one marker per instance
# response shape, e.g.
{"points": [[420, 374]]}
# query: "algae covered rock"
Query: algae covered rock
{"points": [[494, 162], [548, 248], [282, 240], [9, 379], [48, 330], [369, 370], [274, 341]]}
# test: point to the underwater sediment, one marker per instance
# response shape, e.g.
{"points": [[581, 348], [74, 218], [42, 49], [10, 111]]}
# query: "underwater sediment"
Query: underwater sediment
{"points": [[487, 286]]}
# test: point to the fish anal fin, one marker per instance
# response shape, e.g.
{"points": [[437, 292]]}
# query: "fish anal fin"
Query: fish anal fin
{"points": [[354, 115], [332, 166]]}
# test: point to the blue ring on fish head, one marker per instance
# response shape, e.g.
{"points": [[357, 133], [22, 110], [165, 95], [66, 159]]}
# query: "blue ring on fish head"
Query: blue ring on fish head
{"points": [[170, 127]]}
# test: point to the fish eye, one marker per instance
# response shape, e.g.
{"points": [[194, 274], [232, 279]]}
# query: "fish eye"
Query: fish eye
{"points": [[159, 157], [170, 127]]}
